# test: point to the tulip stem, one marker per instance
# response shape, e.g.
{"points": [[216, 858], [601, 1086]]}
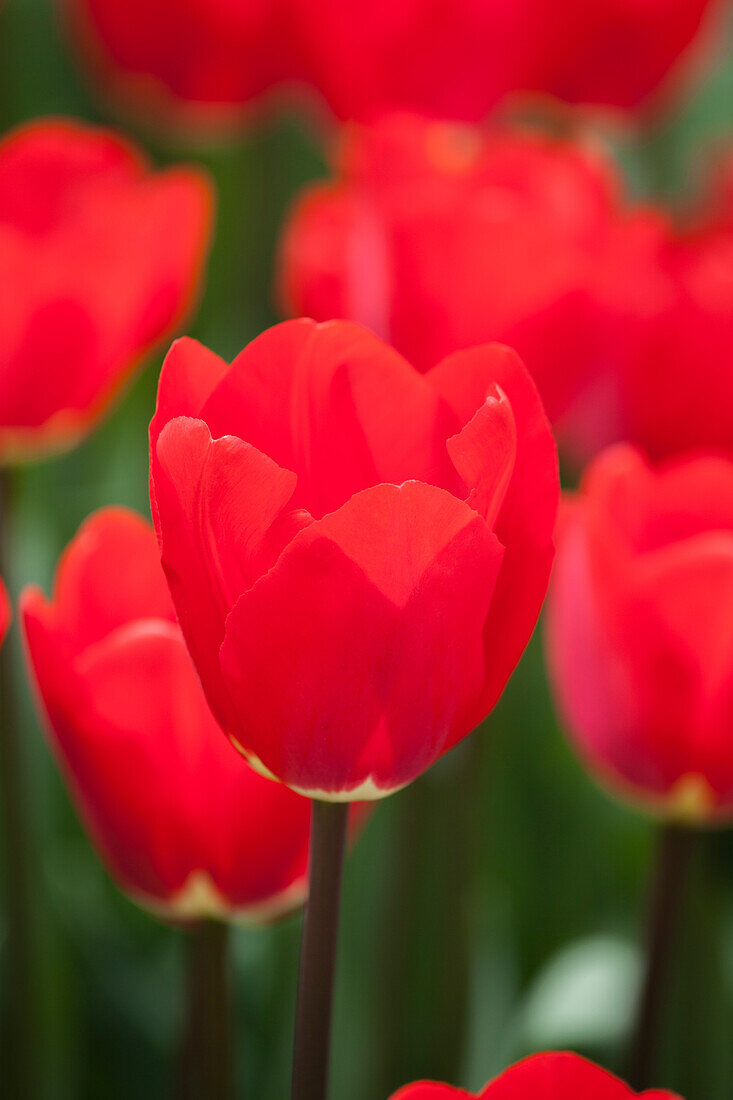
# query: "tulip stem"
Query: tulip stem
{"points": [[206, 1066], [18, 964], [669, 875], [318, 951]]}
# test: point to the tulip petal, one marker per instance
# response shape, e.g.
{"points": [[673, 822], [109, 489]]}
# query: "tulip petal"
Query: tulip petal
{"points": [[484, 453], [359, 655], [337, 406], [223, 519], [153, 756], [188, 375], [113, 542], [558, 1076], [525, 521], [553, 1076]]}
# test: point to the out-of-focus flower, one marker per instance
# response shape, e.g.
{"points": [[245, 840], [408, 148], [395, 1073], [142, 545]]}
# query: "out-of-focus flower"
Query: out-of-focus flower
{"points": [[458, 58], [203, 60], [439, 237], [675, 391], [555, 1076], [357, 552], [184, 825], [619, 53], [640, 629], [99, 258], [455, 59], [5, 612]]}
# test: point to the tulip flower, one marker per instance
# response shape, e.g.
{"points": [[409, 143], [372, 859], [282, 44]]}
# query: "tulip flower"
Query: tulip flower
{"points": [[458, 60], [640, 651], [357, 552], [216, 59], [640, 629], [540, 1077], [651, 405], [205, 60], [184, 826], [99, 258], [439, 237]]}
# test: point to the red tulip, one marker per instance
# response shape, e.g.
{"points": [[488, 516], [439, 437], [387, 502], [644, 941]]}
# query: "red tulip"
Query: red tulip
{"points": [[100, 258], [5, 612], [541, 1077], [183, 824], [691, 334], [207, 58], [640, 629], [617, 53], [440, 237], [357, 552], [458, 58], [454, 59]]}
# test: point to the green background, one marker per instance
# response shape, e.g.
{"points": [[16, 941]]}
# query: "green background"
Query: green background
{"points": [[490, 910]]}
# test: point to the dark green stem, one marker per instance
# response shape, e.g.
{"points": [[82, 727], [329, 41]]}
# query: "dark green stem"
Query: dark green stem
{"points": [[18, 1076], [671, 864], [206, 1065], [318, 951]]}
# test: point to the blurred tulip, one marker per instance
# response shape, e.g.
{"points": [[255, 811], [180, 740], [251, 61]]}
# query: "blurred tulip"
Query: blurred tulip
{"points": [[440, 237], [640, 629], [183, 824], [205, 60], [458, 58], [541, 1077], [619, 53], [357, 552], [691, 336], [100, 258], [209, 59]]}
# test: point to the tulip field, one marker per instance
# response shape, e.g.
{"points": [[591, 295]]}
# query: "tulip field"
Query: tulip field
{"points": [[366, 550]]}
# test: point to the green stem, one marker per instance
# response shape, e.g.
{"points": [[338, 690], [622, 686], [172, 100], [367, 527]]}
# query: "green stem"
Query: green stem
{"points": [[318, 951], [671, 864], [19, 1075], [206, 1064]]}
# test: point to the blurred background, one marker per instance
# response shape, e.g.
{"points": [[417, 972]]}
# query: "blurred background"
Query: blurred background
{"points": [[490, 910]]}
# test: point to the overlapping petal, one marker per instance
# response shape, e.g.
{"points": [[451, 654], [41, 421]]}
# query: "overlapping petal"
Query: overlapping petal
{"points": [[223, 513], [359, 656], [525, 519], [328, 401]]}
